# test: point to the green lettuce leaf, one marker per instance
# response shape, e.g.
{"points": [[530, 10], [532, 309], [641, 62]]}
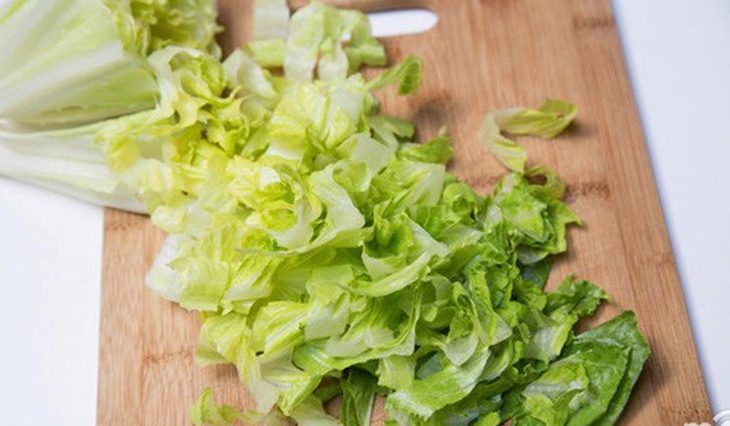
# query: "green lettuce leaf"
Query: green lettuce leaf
{"points": [[407, 75], [270, 19], [161, 23], [579, 297], [508, 153], [437, 150], [206, 412], [575, 389], [315, 42], [547, 122], [311, 413], [358, 391], [621, 331], [448, 385]]}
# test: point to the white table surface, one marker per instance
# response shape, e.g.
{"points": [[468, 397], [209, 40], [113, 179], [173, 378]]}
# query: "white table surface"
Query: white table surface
{"points": [[678, 54]]}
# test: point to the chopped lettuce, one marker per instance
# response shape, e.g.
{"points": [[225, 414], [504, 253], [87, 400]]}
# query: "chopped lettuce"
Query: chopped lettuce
{"points": [[326, 251], [358, 391], [619, 332], [437, 150], [270, 19], [315, 42], [546, 122], [407, 75], [590, 384], [449, 384], [206, 411]]}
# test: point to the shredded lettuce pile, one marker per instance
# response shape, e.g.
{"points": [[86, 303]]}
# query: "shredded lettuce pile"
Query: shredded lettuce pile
{"points": [[327, 253]]}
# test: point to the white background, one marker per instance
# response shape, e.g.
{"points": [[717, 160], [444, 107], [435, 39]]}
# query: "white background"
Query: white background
{"points": [[678, 54]]}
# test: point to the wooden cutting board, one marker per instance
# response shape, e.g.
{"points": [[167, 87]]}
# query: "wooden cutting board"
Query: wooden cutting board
{"points": [[481, 55]]}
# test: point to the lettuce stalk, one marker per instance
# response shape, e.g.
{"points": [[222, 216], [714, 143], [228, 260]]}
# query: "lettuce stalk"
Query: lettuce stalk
{"points": [[79, 61], [80, 72]]}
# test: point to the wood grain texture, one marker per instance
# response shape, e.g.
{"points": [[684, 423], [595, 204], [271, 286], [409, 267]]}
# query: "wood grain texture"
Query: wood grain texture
{"points": [[481, 55]]}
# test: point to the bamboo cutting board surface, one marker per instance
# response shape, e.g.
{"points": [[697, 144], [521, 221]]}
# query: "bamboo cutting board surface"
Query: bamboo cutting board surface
{"points": [[482, 55]]}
